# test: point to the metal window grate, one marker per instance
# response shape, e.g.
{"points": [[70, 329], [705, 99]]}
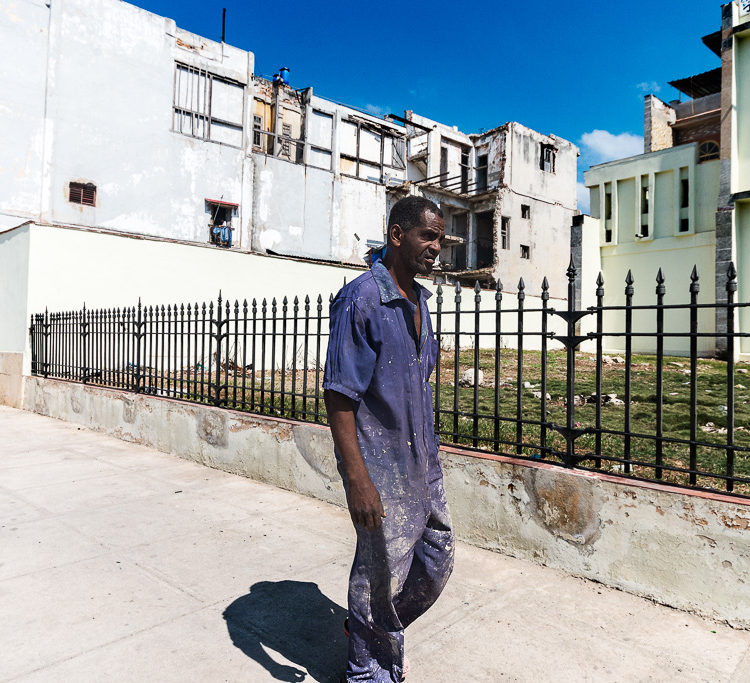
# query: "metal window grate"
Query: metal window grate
{"points": [[82, 193]]}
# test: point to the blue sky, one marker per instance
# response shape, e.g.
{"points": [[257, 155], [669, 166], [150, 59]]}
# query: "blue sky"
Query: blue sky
{"points": [[578, 70]]}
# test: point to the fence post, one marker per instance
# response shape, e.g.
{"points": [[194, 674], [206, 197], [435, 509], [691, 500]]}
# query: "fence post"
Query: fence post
{"points": [[84, 344], [519, 367], [45, 344], [660, 292], [456, 358], [599, 360], [137, 336], [438, 337], [694, 290], [543, 371], [629, 291], [731, 290], [498, 342], [570, 378], [475, 417], [218, 336]]}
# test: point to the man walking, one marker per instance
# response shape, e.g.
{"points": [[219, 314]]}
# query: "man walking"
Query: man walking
{"points": [[381, 354]]}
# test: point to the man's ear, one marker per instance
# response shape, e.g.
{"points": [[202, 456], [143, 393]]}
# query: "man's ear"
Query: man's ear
{"points": [[396, 234]]}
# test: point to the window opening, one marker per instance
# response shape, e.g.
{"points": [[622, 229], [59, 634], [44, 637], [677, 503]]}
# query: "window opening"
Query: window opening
{"points": [[547, 158], [485, 251], [505, 232], [220, 222], [464, 171], [525, 211], [481, 173], [286, 137], [443, 165], [608, 236], [684, 225], [257, 130], [608, 204], [525, 251], [684, 193], [207, 106], [82, 193], [707, 151]]}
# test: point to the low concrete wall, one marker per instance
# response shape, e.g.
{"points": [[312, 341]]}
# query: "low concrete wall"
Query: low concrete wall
{"points": [[687, 550]]}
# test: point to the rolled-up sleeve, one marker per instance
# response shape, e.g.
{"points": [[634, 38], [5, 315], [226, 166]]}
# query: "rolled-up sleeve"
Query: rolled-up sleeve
{"points": [[350, 361]]}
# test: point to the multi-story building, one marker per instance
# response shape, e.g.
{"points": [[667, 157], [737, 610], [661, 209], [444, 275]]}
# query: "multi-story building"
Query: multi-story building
{"points": [[508, 195], [116, 119], [686, 200]]}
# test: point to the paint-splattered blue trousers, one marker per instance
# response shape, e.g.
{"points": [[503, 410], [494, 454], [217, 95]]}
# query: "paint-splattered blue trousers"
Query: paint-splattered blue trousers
{"points": [[399, 571]]}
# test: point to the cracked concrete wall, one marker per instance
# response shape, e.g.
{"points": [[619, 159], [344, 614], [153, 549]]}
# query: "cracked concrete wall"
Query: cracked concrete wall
{"points": [[686, 550]]}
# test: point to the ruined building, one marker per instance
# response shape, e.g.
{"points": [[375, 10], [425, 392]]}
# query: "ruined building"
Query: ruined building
{"points": [[169, 135], [508, 196]]}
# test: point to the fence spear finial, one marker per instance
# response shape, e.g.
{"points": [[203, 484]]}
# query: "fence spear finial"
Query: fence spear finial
{"points": [[571, 272], [694, 285], [731, 278]]}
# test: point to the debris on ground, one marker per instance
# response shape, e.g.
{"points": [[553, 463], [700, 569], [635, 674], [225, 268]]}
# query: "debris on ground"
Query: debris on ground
{"points": [[467, 379], [711, 428]]}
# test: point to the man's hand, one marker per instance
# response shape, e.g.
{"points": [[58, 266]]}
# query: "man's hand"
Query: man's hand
{"points": [[365, 506]]}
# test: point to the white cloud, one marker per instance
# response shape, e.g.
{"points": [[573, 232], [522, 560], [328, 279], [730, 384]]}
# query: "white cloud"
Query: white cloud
{"points": [[375, 109], [648, 87], [601, 145], [582, 195]]}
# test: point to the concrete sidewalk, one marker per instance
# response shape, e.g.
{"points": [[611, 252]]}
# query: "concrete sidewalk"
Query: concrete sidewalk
{"points": [[120, 563]]}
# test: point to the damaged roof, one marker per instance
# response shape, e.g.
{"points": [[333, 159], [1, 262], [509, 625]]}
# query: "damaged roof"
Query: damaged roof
{"points": [[700, 85], [713, 42]]}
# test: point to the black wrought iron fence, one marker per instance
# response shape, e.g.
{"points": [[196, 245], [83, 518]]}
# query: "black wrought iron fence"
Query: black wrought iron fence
{"points": [[629, 389]]}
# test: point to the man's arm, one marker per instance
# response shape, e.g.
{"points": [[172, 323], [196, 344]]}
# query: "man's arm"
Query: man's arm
{"points": [[365, 506]]}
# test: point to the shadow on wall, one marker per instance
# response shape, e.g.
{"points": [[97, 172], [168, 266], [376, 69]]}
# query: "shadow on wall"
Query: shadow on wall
{"points": [[294, 619]]}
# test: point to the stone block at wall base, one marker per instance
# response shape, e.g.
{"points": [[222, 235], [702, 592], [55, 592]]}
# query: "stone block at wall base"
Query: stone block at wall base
{"points": [[11, 379]]}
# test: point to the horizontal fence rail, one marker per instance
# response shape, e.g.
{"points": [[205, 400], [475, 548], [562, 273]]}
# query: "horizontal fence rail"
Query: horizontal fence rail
{"points": [[530, 381]]}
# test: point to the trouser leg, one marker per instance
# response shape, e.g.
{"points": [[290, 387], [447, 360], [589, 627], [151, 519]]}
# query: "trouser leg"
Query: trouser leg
{"points": [[381, 565], [432, 562]]}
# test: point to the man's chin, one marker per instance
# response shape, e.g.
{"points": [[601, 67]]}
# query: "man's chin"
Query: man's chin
{"points": [[425, 268]]}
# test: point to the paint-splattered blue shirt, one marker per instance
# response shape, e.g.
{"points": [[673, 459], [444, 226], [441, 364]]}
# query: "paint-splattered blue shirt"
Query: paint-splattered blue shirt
{"points": [[375, 358]]}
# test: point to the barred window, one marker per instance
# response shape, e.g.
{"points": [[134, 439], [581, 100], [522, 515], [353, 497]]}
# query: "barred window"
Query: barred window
{"points": [[547, 158], [82, 193], [207, 106]]}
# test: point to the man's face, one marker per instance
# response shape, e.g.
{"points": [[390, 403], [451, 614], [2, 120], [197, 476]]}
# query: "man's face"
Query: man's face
{"points": [[420, 246]]}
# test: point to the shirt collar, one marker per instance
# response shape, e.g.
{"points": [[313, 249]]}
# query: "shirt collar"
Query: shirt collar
{"points": [[388, 289]]}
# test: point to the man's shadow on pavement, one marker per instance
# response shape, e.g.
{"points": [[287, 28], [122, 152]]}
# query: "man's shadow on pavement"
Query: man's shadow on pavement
{"points": [[296, 620]]}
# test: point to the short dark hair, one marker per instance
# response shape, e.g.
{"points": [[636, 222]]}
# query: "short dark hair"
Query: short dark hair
{"points": [[407, 212]]}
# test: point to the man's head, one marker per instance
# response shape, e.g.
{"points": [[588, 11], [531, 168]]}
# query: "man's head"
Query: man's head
{"points": [[415, 228]]}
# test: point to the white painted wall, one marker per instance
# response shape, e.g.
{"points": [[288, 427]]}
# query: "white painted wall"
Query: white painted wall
{"points": [[308, 211], [163, 272], [24, 36], [522, 172], [109, 78], [14, 289]]}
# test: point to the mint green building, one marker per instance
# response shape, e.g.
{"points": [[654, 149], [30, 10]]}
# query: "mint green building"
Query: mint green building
{"points": [[685, 201]]}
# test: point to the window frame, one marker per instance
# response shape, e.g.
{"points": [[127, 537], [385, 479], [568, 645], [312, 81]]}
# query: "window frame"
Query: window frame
{"points": [[547, 155], [80, 189], [206, 116]]}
